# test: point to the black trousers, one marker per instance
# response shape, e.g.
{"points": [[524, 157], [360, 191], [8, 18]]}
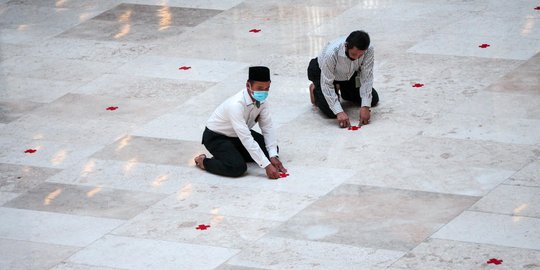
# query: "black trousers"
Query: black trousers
{"points": [[348, 89], [229, 154]]}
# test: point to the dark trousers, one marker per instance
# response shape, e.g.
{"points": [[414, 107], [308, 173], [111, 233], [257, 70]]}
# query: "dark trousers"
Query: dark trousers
{"points": [[348, 89], [229, 154]]}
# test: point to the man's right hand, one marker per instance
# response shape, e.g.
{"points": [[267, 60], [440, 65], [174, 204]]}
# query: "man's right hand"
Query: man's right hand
{"points": [[343, 120], [272, 172]]}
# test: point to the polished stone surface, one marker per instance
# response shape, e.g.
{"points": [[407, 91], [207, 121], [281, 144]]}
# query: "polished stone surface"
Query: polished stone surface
{"points": [[445, 176]]}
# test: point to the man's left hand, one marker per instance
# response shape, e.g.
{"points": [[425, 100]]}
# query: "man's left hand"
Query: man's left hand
{"points": [[277, 163], [365, 114]]}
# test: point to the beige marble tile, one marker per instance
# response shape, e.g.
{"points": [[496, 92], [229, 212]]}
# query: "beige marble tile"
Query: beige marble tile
{"points": [[511, 200], [149, 254], [35, 90], [447, 255], [85, 201], [180, 226], [152, 150], [493, 229], [75, 266], [284, 253], [7, 196], [28, 255], [126, 175], [53, 228], [10, 111], [527, 176], [384, 218], [20, 178]]}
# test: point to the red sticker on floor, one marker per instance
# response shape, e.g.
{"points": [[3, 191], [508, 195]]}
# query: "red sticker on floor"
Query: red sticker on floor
{"points": [[184, 68], [30, 151], [283, 175], [354, 128], [537, 8], [483, 46], [202, 227], [418, 85], [494, 261], [255, 30], [112, 108]]}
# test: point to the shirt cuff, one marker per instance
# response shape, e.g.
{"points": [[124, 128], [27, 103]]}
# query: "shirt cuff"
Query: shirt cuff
{"points": [[366, 102], [264, 163], [273, 152]]}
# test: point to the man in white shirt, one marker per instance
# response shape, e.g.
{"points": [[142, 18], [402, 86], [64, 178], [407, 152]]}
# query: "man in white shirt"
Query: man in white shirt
{"points": [[228, 135], [344, 66]]}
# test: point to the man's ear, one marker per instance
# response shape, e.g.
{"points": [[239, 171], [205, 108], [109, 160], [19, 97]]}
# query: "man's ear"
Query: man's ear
{"points": [[346, 45]]}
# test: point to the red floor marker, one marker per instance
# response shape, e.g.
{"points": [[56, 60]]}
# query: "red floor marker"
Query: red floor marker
{"points": [[112, 108], [255, 30], [30, 151], [418, 85], [483, 46], [353, 128], [184, 68], [202, 227], [283, 175], [537, 8], [494, 261]]}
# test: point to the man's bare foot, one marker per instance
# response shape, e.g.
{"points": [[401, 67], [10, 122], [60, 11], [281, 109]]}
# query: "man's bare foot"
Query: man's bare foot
{"points": [[199, 161], [312, 93]]}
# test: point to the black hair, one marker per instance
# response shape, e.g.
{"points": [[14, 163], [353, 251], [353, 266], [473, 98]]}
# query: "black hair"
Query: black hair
{"points": [[358, 39]]}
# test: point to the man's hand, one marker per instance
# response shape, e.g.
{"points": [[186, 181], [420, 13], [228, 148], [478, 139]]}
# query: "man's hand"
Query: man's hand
{"points": [[272, 172], [277, 163], [343, 120], [365, 114]]}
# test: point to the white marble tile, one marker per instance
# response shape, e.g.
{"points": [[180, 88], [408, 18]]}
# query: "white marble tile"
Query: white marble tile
{"points": [[49, 154], [527, 176], [449, 255], [144, 88], [19, 179], [35, 90], [94, 132], [150, 254], [54, 68], [168, 67], [75, 266], [28, 34], [208, 4], [127, 175], [467, 45], [180, 226], [497, 129], [283, 253], [494, 229], [7, 196], [504, 107], [88, 50], [430, 177], [177, 126], [52, 228], [27, 255], [238, 202], [511, 200], [496, 26]]}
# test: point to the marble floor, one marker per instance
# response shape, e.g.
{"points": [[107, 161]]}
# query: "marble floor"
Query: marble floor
{"points": [[446, 176]]}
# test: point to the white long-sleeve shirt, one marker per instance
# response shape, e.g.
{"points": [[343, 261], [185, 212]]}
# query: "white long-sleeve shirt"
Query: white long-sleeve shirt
{"points": [[336, 66], [236, 116]]}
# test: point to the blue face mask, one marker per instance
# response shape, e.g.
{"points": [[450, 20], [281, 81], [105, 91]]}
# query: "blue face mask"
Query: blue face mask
{"points": [[260, 95]]}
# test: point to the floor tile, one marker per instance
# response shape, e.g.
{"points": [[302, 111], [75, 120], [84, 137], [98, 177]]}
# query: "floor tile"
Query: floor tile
{"points": [[7, 196], [85, 201], [511, 200], [75, 266], [237, 202], [53, 228], [447, 255], [131, 175], [284, 253], [149, 254], [10, 111], [494, 229], [385, 219], [35, 90], [207, 4], [27, 255], [20, 178], [527, 176], [180, 226]]}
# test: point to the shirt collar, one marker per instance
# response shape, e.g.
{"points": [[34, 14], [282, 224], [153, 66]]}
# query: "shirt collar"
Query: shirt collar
{"points": [[247, 99]]}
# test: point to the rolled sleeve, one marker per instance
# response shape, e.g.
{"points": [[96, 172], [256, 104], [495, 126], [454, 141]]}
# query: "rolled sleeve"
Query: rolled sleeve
{"points": [[366, 77]]}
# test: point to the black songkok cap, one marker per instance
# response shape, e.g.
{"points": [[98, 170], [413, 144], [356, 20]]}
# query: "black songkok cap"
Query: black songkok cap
{"points": [[260, 74]]}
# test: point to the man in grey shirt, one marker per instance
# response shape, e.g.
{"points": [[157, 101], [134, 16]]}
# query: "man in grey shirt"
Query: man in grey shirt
{"points": [[344, 69]]}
